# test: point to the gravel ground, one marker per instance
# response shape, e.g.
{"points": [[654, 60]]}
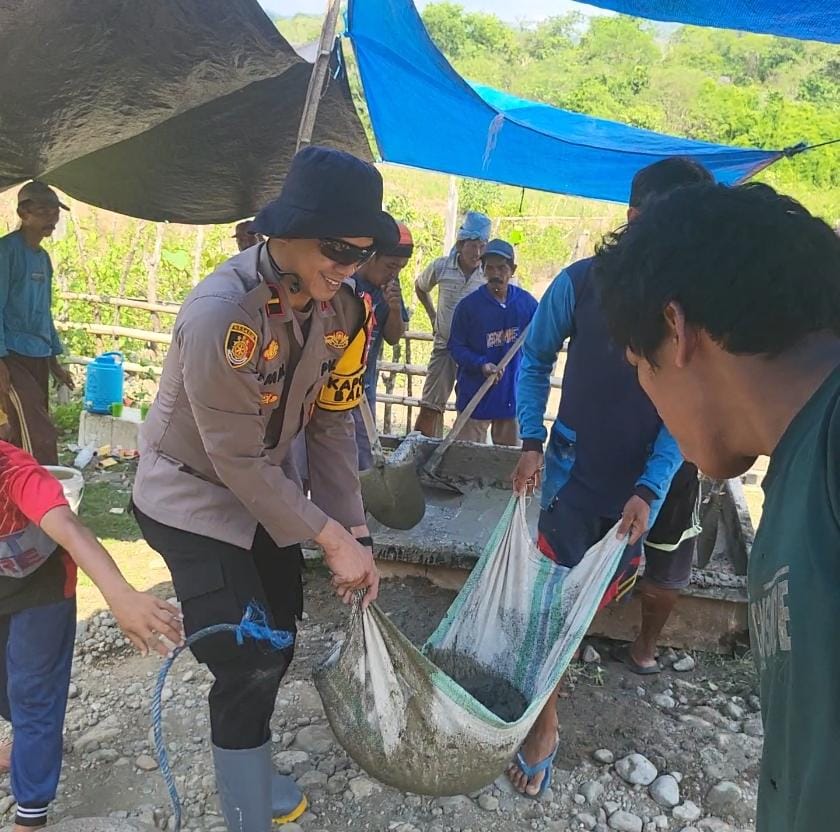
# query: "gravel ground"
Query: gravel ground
{"points": [[677, 752]]}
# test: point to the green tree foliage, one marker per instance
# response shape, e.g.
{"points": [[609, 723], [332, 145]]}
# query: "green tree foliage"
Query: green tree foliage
{"points": [[300, 29], [721, 86], [464, 34]]}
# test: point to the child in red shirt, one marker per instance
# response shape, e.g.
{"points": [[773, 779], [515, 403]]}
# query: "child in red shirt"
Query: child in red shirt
{"points": [[41, 543]]}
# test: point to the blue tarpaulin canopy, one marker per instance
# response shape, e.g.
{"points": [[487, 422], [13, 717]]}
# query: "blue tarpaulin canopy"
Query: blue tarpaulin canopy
{"points": [[425, 115], [802, 19]]}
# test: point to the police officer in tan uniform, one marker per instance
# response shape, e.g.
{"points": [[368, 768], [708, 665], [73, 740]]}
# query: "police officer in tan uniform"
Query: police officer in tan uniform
{"points": [[271, 344]]}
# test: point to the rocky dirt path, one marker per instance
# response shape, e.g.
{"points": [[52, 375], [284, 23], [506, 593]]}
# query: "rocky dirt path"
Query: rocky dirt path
{"points": [[679, 752]]}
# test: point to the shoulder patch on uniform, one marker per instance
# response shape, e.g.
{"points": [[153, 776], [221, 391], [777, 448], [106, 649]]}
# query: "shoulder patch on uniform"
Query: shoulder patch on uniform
{"points": [[271, 351], [240, 343], [337, 339]]}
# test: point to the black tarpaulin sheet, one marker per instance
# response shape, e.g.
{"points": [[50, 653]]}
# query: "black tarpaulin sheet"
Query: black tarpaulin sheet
{"points": [[179, 110]]}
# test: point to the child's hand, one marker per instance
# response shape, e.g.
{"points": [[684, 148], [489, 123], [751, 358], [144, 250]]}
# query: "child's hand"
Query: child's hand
{"points": [[145, 619]]}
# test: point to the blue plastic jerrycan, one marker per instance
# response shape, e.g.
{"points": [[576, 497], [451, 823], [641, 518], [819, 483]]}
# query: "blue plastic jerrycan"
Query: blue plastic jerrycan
{"points": [[104, 382]]}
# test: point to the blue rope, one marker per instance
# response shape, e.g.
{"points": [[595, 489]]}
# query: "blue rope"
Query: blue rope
{"points": [[254, 625]]}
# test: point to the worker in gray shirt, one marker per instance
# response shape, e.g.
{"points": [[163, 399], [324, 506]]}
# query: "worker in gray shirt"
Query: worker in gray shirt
{"points": [[268, 346], [456, 276]]}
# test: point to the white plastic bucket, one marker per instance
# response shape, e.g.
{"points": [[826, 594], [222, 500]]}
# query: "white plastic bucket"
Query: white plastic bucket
{"points": [[71, 481]]}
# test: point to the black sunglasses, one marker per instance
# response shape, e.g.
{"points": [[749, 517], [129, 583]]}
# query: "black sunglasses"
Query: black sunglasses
{"points": [[345, 254]]}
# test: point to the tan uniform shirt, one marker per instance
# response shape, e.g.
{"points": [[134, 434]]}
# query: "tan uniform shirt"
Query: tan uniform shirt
{"points": [[454, 285], [240, 381]]}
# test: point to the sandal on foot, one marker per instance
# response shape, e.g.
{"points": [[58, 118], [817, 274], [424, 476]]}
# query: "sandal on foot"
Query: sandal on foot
{"points": [[622, 654], [545, 765]]}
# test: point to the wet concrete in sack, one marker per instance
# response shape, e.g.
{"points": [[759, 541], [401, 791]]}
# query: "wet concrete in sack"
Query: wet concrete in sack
{"points": [[495, 692], [416, 607]]}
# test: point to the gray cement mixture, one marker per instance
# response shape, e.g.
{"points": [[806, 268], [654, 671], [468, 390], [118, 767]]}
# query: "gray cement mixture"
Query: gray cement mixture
{"points": [[495, 692]]}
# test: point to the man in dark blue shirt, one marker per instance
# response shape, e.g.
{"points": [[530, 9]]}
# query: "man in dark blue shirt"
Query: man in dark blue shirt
{"points": [[484, 326], [29, 344], [380, 279], [608, 458]]}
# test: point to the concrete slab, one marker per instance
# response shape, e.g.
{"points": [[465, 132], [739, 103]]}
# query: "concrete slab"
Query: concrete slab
{"points": [[444, 546], [102, 430]]}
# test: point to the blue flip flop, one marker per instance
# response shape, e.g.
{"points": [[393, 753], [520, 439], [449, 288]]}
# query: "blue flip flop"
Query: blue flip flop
{"points": [[545, 765]]}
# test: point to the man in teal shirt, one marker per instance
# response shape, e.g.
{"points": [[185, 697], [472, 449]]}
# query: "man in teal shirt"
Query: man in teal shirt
{"points": [[29, 344], [727, 301]]}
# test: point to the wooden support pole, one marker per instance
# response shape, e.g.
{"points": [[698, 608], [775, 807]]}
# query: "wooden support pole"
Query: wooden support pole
{"points": [[197, 253], [152, 277], [319, 74], [117, 331], [451, 222], [132, 303]]}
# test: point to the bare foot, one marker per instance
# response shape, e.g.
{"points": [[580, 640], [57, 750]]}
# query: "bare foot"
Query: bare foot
{"points": [[18, 828], [538, 745], [5, 755]]}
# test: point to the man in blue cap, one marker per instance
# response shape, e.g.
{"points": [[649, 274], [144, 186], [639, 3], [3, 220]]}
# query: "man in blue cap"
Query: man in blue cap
{"points": [[456, 275], [485, 325], [270, 345]]}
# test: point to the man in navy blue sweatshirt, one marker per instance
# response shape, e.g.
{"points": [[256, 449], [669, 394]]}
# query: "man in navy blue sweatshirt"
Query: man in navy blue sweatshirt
{"points": [[609, 458], [484, 326]]}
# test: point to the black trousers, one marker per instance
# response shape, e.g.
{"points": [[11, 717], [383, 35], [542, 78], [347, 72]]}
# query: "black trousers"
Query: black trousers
{"points": [[215, 582]]}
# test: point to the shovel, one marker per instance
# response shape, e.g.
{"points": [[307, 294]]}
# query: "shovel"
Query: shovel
{"points": [[391, 491], [430, 468]]}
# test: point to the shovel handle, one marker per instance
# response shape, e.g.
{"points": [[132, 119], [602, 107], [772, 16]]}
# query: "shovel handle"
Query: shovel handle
{"points": [[466, 414], [372, 432]]}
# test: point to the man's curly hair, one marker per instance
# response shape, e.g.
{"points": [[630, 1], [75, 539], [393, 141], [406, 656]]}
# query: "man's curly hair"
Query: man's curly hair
{"points": [[750, 266]]}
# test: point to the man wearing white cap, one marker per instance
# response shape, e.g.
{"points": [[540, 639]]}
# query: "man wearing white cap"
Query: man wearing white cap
{"points": [[29, 344], [457, 275]]}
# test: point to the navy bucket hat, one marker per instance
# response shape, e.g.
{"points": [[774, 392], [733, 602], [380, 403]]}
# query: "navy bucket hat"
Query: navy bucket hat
{"points": [[328, 193]]}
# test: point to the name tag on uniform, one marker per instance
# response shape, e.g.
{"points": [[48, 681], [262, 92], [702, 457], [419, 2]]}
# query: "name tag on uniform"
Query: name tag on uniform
{"points": [[38, 277]]}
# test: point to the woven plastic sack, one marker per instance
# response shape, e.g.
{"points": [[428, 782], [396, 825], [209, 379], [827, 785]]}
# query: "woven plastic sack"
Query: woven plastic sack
{"points": [[508, 637]]}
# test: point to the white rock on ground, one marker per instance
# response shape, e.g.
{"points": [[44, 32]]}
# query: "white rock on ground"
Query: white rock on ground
{"points": [[362, 788], [592, 791], [684, 664], [724, 798], [715, 825], [488, 802], [457, 804], [314, 739], [586, 820], [312, 780], [636, 769], [663, 701], [591, 655], [623, 821], [687, 811], [604, 756], [146, 763], [291, 762], [665, 791]]}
